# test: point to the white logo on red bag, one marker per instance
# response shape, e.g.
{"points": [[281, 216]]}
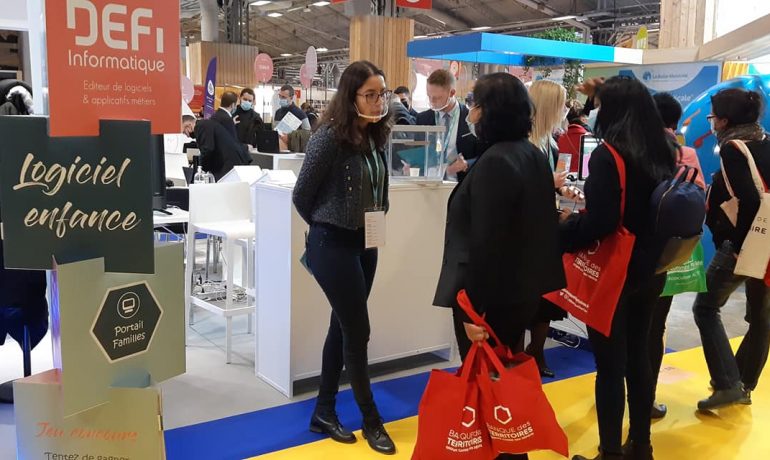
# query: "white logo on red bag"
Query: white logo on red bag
{"points": [[595, 249], [503, 415], [469, 416]]}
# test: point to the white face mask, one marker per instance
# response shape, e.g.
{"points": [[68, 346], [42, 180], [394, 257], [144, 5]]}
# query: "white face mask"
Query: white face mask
{"points": [[471, 125], [449, 102], [374, 118], [592, 119], [713, 125]]}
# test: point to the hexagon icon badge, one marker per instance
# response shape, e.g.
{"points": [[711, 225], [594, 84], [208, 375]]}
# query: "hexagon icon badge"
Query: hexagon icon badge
{"points": [[126, 321], [469, 416], [503, 415]]}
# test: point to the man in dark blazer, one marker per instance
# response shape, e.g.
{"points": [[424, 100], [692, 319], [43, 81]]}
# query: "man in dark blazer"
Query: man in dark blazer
{"points": [[225, 115], [462, 147], [220, 151]]}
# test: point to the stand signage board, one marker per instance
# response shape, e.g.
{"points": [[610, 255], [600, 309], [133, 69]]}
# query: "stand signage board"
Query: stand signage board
{"points": [[76, 198], [118, 330], [128, 428], [112, 59]]}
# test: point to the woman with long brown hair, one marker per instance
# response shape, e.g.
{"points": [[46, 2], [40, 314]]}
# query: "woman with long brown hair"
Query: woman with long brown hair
{"points": [[343, 184]]}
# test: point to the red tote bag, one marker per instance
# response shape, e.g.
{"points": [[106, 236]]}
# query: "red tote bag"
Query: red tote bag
{"points": [[516, 412], [449, 424], [596, 275]]}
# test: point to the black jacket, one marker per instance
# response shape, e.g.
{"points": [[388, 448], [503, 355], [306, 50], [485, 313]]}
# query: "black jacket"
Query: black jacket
{"points": [[602, 214], [329, 185], [467, 144], [220, 151], [738, 172], [248, 124], [224, 118], [501, 240]]}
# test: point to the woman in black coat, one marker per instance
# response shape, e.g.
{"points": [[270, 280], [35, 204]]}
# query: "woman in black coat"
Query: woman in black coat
{"points": [[501, 241]]}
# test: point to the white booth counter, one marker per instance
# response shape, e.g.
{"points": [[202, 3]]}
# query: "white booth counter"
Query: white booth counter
{"points": [[293, 313]]}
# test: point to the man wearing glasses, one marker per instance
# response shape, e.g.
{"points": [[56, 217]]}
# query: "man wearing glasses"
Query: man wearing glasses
{"points": [[286, 105]]}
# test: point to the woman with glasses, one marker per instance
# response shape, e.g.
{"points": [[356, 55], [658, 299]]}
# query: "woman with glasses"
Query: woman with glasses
{"points": [[734, 119], [341, 191], [501, 242]]}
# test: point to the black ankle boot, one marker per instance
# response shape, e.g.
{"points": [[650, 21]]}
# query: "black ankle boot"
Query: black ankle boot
{"points": [[634, 451], [658, 411], [330, 425], [378, 439]]}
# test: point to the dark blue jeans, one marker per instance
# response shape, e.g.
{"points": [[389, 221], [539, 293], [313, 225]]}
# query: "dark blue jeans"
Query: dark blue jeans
{"points": [[345, 272], [728, 371]]}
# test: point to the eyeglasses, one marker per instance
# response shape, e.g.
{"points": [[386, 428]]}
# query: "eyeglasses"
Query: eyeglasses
{"points": [[710, 117], [373, 98]]}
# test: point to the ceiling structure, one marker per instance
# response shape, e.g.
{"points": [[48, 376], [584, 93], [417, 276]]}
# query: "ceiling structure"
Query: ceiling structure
{"points": [[285, 28]]}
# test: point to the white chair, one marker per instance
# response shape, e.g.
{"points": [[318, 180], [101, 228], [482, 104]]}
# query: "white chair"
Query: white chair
{"points": [[223, 211]]}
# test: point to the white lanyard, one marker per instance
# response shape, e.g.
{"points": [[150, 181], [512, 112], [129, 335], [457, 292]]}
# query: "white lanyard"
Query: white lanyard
{"points": [[453, 123]]}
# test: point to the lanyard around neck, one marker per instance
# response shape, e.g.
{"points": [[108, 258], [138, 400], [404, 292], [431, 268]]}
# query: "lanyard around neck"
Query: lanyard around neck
{"points": [[374, 175]]}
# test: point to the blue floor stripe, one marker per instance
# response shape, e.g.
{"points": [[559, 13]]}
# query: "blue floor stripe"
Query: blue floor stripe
{"points": [[282, 427]]}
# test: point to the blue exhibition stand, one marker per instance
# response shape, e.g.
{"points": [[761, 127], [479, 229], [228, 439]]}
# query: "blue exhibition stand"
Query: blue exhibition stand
{"points": [[486, 48]]}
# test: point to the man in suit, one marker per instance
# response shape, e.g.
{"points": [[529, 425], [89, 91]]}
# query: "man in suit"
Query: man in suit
{"points": [[224, 116], [220, 150], [461, 146], [405, 97]]}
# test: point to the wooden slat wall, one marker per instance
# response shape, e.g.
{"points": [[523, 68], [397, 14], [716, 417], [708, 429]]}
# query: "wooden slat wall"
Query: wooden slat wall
{"points": [[235, 63], [686, 23], [382, 41]]}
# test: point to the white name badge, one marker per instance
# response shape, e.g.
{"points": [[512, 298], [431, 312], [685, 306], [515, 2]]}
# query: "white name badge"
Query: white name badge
{"points": [[375, 229]]}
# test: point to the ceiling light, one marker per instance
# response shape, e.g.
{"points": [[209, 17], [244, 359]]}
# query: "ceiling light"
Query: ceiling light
{"points": [[321, 3], [286, 54], [481, 28], [564, 18], [420, 36], [261, 2], [275, 15], [322, 50]]}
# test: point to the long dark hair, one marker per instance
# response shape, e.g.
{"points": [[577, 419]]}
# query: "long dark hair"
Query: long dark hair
{"points": [[341, 114], [506, 110], [629, 121]]}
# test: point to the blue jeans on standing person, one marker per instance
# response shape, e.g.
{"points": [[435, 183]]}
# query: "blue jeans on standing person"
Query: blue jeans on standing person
{"points": [[345, 272], [728, 371]]}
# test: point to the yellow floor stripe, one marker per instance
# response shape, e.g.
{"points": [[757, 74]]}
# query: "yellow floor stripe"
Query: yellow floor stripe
{"points": [[740, 432]]}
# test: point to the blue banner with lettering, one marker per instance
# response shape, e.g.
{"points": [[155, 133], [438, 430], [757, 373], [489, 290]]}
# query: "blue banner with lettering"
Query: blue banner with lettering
{"points": [[211, 84]]}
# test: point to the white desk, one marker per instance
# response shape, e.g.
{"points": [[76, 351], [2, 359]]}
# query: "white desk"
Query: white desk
{"points": [[293, 313], [178, 216]]}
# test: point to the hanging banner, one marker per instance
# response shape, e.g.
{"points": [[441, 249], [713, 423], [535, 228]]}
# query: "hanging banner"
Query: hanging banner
{"points": [[263, 68], [188, 89], [211, 87], [77, 198], [419, 4], [305, 76], [109, 60]]}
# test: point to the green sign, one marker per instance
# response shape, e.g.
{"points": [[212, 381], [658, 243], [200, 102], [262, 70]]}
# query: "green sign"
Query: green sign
{"points": [[76, 198]]}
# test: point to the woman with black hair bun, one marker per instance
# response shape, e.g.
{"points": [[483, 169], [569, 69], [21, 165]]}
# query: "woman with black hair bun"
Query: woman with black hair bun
{"points": [[501, 242], [629, 122], [734, 120]]}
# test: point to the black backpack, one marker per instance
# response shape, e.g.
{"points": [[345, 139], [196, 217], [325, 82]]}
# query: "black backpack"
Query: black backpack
{"points": [[678, 208]]}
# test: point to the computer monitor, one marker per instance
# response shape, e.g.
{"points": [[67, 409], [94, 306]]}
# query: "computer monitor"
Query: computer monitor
{"points": [[588, 144], [158, 171]]}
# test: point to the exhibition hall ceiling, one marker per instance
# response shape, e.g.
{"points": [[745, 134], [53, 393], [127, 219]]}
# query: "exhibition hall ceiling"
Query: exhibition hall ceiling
{"points": [[289, 27]]}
